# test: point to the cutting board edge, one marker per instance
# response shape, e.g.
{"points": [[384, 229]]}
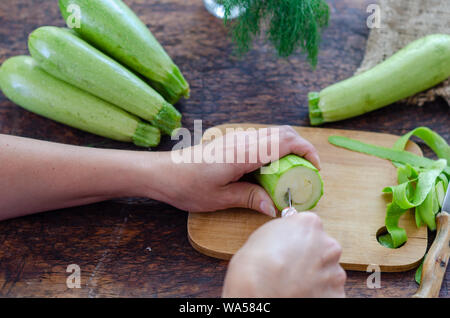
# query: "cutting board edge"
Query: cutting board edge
{"points": [[226, 256], [208, 252]]}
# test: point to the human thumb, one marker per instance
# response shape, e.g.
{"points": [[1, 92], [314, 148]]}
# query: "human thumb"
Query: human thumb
{"points": [[251, 196]]}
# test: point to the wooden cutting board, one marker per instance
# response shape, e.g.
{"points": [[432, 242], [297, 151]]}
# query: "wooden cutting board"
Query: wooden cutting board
{"points": [[352, 208]]}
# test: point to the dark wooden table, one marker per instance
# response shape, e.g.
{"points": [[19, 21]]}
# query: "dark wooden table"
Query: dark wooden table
{"points": [[110, 240]]}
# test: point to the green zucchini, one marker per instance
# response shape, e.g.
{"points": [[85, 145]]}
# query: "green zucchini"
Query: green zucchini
{"points": [[420, 65], [63, 54], [296, 174], [112, 27], [26, 84]]}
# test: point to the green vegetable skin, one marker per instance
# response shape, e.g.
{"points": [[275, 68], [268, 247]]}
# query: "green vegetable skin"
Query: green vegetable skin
{"points": [[422, 64], [112, 27], [422, 181], [26, 84], [297, 174], [64, 55], [418, 274]]}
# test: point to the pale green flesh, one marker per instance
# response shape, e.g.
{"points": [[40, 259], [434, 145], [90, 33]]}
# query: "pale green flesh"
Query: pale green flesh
{"points": [[422, 64], [422, 181], [64, 55], [440, 192], [299, 176], [111, 26], [26, 84]]}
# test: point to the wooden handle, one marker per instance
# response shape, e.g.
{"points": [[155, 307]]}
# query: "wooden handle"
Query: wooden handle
{"points": [[435, 264]]}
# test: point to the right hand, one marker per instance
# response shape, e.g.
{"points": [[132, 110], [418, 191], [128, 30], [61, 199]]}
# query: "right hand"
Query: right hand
{"points": [[288, 257]]}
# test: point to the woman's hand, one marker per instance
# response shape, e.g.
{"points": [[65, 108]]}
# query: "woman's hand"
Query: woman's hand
{"points": [[199, 187], [40, 176], [288, 257]]}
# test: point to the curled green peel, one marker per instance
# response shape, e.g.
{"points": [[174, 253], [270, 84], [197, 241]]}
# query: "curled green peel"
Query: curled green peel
{"points": [[397, 156], [418, 275], [422, 181], [431, 139], [406, 196]]}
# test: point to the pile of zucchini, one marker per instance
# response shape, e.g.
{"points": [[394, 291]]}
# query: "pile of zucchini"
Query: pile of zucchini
{"points": [[109, 76]]}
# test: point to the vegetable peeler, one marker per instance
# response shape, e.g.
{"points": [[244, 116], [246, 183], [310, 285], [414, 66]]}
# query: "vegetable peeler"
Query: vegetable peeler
{"points": [[436, 260], [289, 210]]}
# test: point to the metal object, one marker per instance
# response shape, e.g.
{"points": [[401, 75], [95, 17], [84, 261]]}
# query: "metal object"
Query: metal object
{"points": [[289, 210], [446, 204], [290, 198], [215, 8]]}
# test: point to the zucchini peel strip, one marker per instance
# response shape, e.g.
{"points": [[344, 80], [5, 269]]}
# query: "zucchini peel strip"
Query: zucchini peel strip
{"points": [[421, 181]]}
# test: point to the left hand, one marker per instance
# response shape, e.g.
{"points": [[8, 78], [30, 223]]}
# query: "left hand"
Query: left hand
{"points": [[200, 187]]}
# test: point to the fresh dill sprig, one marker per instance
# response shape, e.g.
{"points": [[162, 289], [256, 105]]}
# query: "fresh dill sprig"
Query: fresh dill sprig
{"points": [[291, 24]]}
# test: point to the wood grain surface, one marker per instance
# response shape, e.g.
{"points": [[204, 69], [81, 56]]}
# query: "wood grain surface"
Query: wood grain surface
{"points": [[110, 240], [352, 208], [436, 260]]}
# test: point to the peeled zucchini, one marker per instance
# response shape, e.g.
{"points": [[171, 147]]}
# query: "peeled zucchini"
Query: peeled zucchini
{"points": [[66, 56], [112, 27], [296, 174], [26, 84]]}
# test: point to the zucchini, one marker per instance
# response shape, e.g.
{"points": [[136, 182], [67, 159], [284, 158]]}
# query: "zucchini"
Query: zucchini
{"points": [[112, 27], [26, 84], [66, 56], [420, 65], [299, 176]]}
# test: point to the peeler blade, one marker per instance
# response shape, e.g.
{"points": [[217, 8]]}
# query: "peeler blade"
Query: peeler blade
{"points": [[290, 197], [446, 204]]}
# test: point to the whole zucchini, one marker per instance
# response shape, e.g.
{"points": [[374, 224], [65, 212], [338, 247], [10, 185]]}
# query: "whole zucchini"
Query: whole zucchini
{"points": [[112, 27], [26, 84], [420, 65], [63, 54]]}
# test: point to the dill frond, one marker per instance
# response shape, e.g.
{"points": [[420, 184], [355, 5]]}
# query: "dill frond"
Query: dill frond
{"points": [[291, 25]]}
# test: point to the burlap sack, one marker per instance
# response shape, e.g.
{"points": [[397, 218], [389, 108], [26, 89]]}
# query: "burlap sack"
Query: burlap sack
{"points": [[403, 21]]}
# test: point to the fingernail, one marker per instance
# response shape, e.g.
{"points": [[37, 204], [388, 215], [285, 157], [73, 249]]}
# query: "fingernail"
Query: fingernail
{"points": [[268, 209], [318, 162]]}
